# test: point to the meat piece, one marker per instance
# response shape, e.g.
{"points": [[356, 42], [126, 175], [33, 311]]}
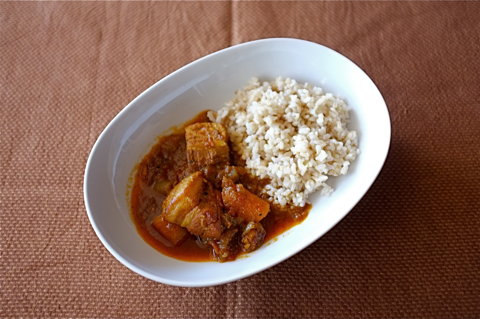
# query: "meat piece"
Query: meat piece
{"points": [[231, 221], [175, 234], [207, 144], [252, 237], [226, 246], [240, 202], [196, 205], [183, 198], [205, 219]]}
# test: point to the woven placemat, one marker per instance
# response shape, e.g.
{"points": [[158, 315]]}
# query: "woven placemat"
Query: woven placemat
{"points": [[410, 248]]}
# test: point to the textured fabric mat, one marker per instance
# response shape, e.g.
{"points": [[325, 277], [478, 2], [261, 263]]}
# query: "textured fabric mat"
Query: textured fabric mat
{"points": [[410, 248]]}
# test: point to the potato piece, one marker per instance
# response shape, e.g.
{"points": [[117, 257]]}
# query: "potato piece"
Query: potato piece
{"points": [[207, 144], [163, 187], [183, 198], [240, 202], [175, 234]]}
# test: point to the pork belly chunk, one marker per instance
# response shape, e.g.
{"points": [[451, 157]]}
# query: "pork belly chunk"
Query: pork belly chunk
{"points": [[207, 144], [205, 219], [195, 205], [183, 198]]}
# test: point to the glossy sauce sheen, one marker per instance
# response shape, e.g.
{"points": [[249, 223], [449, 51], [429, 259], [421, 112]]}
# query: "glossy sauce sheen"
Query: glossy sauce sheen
{"points": [[146, 203]]}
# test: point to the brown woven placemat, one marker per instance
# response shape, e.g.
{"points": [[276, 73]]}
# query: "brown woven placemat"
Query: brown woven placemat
{"points": [[410, 248]]}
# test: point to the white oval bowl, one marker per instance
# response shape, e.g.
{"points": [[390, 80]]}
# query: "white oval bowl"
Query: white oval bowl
{"points": [[207, 84]]}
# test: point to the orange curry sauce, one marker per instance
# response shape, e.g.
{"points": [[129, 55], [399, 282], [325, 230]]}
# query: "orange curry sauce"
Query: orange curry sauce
{"points": [[146, 204]]}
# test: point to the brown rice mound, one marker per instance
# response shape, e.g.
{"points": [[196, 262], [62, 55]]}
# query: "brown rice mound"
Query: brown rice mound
{"points": [[293, 133]]}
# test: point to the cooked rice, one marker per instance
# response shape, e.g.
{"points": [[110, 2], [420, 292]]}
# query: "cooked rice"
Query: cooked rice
{"points": [[293, 133]]}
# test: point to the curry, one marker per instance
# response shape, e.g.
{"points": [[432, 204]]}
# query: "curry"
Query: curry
{"points": [[193, 200]]}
